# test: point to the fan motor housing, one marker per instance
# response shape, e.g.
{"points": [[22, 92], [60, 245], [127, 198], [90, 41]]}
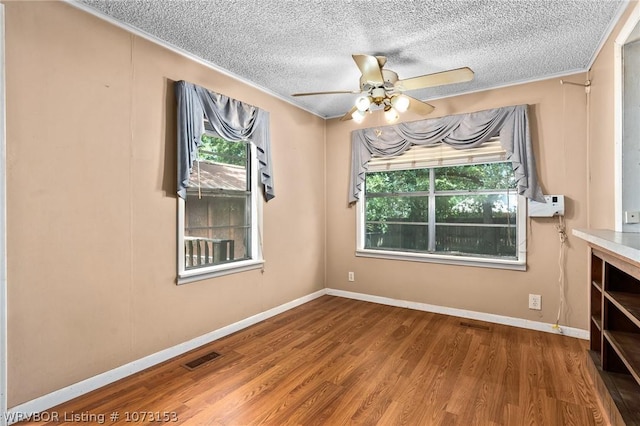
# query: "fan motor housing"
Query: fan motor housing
{"points": [[389, 77]]}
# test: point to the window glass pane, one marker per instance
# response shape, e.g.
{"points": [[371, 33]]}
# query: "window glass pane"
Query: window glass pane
{"points": [[218, 205], [398, 209], [474, 177], [217, 229], [222, 165], [393, 236], [491, 241], [494, 214], [473, 208], [223, 151], [385, 230], [397, 181]]}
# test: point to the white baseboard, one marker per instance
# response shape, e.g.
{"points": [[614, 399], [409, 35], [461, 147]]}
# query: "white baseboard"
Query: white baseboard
{"points": [[462, 313], [60, 396]]}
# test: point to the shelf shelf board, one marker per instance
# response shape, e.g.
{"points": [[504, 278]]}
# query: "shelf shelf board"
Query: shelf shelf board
{"points": [[627, 346], [628, 303], [597, 322], [597, 285]]}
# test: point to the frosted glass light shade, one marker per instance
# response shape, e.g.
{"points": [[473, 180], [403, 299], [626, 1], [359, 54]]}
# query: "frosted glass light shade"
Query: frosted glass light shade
{"points": [[390, 114], [400, 103], [358, 116], [363, 103]]}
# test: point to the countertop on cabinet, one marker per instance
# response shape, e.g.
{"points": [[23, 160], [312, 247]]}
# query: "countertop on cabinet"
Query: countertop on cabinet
{"points": [[625, 244]]}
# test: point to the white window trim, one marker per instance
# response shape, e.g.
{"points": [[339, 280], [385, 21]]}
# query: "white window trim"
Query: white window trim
{"points": [[519, 264], [255, 262]]}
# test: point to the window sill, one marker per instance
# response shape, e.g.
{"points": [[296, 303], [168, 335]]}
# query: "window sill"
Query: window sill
{"points": [[218, 271], [516, 265]]}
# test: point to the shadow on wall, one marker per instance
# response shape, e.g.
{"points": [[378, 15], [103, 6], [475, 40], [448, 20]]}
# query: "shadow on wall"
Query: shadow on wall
{"points": [[170, 171]]}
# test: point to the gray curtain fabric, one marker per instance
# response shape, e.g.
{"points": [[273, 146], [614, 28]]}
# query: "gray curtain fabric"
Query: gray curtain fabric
{"points": [[458, 131], [232, 120]]}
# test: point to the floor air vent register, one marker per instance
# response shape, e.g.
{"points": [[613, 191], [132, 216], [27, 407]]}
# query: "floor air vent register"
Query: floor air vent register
{"points": [[199, 362]]}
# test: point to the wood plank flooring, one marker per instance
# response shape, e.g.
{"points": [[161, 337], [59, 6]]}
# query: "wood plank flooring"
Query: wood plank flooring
{"points": [[337, 361]]}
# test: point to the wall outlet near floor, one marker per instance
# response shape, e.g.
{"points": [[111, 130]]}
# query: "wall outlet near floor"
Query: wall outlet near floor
{"points": [[535, 302], [352, 276]]}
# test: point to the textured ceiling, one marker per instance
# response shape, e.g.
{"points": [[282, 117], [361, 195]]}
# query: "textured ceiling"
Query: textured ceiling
{"points": [[291, 46]]}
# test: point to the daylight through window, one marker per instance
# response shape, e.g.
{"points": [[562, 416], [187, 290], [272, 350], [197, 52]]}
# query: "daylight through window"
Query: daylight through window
{"points": [[219, 216], [218, 206], [469, 212]]}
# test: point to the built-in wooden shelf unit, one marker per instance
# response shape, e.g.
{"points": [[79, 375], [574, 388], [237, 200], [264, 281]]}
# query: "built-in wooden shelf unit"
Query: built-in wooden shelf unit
{"points": [[615, 334]]}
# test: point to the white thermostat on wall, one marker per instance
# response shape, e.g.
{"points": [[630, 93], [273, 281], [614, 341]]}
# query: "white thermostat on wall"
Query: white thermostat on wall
{"points": [[554, 206]]}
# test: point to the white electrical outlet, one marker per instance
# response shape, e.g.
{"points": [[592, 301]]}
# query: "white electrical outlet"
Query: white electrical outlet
{"points": [[352, 276], [535, 302]]}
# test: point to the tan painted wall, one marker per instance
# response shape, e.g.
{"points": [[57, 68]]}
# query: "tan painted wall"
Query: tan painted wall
{"points": [[558, 125], [92, 210]]}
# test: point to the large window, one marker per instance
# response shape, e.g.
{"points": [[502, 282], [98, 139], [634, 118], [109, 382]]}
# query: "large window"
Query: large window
{"points": [[218, 218], [468, 214]]}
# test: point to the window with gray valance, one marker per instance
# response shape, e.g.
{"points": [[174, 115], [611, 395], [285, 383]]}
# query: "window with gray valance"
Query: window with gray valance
{"points": [[231, 119], [461, 131]]}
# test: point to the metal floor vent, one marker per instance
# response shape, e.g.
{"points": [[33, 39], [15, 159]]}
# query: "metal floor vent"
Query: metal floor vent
{"points": [[192, 365], [477, 326]]}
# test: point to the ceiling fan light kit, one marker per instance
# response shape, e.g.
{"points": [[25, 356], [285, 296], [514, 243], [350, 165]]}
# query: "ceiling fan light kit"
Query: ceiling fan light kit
{"points": [[358, 116], [400, 103], [382, 88], [390, 114], [363, 103]]}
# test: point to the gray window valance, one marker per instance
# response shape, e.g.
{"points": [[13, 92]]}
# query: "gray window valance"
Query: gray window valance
{"points": [[232, 120], [461, 131]]}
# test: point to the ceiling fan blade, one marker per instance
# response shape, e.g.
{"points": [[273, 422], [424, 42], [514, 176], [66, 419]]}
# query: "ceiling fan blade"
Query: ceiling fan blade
{"points": [[336, 92], [381, 60], [419, 107], [370, 68], [348, 116], [458, 75]]}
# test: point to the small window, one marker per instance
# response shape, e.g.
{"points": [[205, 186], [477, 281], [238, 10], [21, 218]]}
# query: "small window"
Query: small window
{"points": [[450, 213], [218, 207], [218, 217]]}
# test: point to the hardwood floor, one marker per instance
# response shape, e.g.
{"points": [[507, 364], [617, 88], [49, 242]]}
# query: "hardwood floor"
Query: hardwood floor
{"points": [[337, 361]]}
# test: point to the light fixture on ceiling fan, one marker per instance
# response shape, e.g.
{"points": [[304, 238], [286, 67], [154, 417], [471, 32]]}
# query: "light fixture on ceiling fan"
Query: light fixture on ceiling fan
{"points": [[380, 87], [392, 105]]}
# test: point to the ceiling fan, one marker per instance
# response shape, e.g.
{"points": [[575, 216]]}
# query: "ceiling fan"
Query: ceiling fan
{"points": [[381, 87]]}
